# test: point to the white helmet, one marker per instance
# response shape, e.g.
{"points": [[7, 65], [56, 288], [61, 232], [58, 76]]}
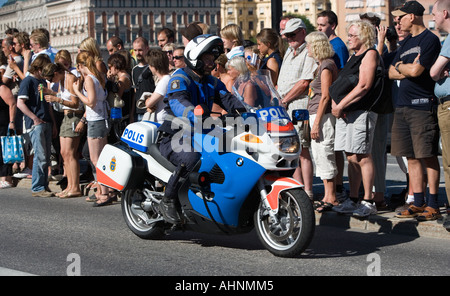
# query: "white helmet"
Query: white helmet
{"points": [[200, 45]]}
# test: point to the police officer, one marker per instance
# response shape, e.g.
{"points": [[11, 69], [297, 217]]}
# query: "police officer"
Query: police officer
{"points": [[190, 87]]}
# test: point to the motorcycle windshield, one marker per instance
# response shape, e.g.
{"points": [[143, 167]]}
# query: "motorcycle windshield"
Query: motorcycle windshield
{"points": [[259, 96], [255, 89]]}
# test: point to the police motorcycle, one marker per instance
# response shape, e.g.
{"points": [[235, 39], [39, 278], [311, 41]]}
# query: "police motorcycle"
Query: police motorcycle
{"points": [[239, 184]]}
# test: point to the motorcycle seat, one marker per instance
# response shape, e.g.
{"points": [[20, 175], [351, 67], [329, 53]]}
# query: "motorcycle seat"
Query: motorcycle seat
{"points": [[153, 150]]}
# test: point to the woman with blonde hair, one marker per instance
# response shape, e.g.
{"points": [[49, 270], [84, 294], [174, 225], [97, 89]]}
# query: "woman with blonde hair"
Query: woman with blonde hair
{"points": [[91, 46], [356, 122], [93, 95], [321, 120], [233, 40], [69, 136]]}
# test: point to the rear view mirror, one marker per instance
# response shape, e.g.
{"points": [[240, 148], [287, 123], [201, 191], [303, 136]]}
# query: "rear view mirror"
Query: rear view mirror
{"points": [[300, 115]]}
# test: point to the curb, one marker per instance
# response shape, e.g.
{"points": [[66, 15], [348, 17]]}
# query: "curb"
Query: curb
{"points": [[383, 222], [26, 183]]}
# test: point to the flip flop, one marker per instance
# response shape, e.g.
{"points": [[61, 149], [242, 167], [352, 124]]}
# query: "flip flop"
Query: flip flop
{"points": [[325, 207]]}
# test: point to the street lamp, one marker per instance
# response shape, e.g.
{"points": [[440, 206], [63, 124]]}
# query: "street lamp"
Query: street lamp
{"points": [[277, 8]]}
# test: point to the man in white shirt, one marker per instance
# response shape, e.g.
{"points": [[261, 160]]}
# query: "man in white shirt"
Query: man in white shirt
{"points": [[297, 71]]}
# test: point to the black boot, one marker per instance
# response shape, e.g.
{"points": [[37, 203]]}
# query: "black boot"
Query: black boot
{"points": [[168, 208]]}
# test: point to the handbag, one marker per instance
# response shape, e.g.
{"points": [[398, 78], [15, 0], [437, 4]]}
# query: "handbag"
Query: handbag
{"points": [[348, 79], [12, 148]]}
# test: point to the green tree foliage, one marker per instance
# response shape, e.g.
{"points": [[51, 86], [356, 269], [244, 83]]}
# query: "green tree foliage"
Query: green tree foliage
{"points": [[309, 27]]}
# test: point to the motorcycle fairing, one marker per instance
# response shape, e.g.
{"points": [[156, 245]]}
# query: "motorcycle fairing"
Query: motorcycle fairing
{"points": [[241, 176], [278, 184]]}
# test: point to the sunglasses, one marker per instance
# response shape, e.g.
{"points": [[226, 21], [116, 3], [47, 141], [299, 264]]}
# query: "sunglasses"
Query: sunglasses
{"points": [[178, 57], [291, 35]]}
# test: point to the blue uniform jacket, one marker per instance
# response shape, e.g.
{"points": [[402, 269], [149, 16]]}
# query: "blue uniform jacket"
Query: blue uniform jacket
{"points": [[187, 90]]}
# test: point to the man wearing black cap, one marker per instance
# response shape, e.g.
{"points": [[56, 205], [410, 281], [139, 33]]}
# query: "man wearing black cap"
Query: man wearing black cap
{"points": [[415, 131]]}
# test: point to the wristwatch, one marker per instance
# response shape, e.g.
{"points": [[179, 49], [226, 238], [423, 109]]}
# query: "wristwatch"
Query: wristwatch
{"points": [[397, 65]]}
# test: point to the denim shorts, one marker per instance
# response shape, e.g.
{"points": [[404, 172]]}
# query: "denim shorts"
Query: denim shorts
{"points": [[98, 129]]}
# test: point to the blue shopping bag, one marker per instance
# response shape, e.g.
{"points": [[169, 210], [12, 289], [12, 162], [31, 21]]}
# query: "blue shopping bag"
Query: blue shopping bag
{"points": [[12, 148]]}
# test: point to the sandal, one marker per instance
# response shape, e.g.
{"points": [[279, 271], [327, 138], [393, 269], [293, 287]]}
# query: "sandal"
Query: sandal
{"points": [[411, 212], [69, 194], [91, 198], [59, 194], [429, 214], [100, 203], [92, 185], [325, 207], [318, 204]]}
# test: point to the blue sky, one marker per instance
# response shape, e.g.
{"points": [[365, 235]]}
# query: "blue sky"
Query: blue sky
{"points": [[2, 2]]}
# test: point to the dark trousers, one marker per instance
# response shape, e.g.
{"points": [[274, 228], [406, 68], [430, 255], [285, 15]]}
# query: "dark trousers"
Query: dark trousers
{"points": [[170, 149], [5, 168]]}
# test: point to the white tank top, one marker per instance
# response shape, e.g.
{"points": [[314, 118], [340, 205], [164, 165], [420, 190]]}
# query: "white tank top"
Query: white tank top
{"points": [[100, 110], [66, 96]]}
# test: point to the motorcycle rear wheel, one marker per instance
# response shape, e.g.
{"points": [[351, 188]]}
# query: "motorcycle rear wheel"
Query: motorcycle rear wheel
{"points": [[295, 230], [138, 219]]}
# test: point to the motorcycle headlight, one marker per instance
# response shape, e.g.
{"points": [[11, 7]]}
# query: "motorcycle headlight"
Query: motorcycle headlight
{"points": [[288, 144]]}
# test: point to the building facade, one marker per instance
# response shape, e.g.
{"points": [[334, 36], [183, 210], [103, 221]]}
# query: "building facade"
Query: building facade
{"points": [[349, 10], [254, 15], [70, 21]]}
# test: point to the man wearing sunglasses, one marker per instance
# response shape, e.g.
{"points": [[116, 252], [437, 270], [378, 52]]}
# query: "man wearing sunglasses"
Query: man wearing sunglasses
{"points": [[178, 57], [415, 131], [297, 71]]}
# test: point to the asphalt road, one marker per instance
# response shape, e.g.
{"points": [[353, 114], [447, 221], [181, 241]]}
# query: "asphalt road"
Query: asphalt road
{"points": [[54, 237]]}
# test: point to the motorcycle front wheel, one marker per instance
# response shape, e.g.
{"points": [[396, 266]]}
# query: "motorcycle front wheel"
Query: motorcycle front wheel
{"points": [[145, 223], [294, 229]]}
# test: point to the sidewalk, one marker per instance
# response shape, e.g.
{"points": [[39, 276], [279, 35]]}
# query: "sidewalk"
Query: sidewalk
{"points": [[383, 222]]}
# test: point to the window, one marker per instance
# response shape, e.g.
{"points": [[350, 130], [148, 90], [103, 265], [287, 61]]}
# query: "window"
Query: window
{"points": [[375, 3]]}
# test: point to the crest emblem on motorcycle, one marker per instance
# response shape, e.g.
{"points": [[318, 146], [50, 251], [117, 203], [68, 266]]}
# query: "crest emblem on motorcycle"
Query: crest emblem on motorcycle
{"points": [[240, 161], [112, 164]]}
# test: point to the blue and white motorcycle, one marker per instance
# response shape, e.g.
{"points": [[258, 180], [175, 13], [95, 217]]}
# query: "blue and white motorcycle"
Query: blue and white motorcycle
{"points": [[239, 183]]}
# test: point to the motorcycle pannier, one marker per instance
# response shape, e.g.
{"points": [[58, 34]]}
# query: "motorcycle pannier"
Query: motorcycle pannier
{"points": [[120, 168]]}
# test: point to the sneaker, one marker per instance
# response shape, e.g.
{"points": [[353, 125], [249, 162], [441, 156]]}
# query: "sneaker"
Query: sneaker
{"points": [[43, 193], [23, 174], [446, 222], [346, 207], [341, 196], [365, 209], [5, 184]]}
